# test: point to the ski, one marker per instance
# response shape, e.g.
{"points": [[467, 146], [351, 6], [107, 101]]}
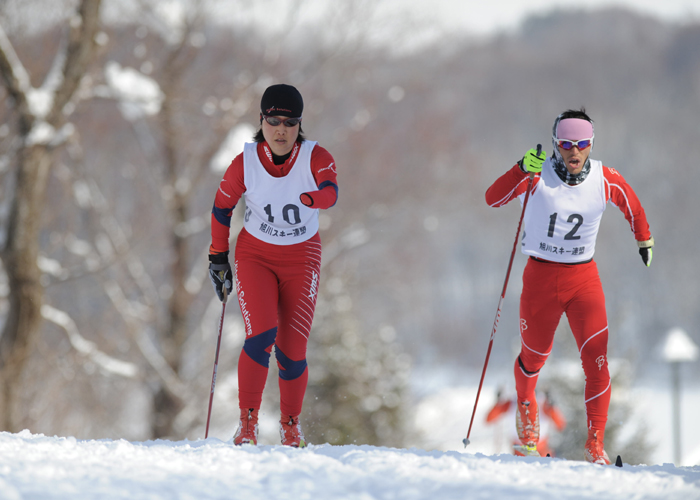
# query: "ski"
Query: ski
{"points": [[528, 451]]}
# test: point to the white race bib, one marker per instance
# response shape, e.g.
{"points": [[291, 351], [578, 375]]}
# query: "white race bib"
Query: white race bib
{"points": [[561, 221], [274, 213]]}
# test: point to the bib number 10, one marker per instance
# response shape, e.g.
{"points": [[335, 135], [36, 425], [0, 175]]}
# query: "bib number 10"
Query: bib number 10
{"points": [[576, 219], [290, 214]]}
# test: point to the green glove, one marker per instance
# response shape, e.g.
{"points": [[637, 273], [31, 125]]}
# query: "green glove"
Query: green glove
{"points": [[645, 250], [532, 162]]}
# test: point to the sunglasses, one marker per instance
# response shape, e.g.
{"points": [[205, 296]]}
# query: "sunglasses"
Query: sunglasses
{"points": [[288, 122], [568, 144]]}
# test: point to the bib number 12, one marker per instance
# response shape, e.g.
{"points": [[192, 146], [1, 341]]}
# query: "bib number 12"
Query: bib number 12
{"points": [[576, 219]]}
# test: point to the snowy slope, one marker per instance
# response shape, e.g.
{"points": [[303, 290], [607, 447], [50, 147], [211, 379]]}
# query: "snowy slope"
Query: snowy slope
{"points": [[40, 467]]}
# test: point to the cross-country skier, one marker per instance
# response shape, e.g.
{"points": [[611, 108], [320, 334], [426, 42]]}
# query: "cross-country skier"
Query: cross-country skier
{"points": [[569, 194], [285, 179], [507, 405]]}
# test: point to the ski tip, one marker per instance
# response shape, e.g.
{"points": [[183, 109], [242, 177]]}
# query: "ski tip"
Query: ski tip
{"points": [[466, 442], [618, 462]]}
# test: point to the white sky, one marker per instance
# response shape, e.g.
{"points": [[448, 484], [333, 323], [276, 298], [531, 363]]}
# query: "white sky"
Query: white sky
{"points": [[476, 17], [482, 18], [405, 25]]}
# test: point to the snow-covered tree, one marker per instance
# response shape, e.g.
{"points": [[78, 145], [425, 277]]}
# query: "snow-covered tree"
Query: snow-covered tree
{"points": [[42, 118]]}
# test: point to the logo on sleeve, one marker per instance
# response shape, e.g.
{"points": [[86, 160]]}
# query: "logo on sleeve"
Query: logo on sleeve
{"points": [[224, 192], [329, 167]]}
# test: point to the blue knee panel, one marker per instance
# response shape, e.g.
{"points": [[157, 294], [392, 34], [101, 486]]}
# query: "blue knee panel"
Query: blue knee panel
{"points": [[255, 347], [290, 369]]}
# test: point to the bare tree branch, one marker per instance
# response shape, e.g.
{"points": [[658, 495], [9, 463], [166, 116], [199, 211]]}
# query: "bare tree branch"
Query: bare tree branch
{"points": [[85, 347], [79, 51], [15, 77], [138, 330]]}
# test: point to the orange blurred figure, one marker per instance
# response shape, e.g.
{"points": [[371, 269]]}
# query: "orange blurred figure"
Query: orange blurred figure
{"points": [[506, 406]]}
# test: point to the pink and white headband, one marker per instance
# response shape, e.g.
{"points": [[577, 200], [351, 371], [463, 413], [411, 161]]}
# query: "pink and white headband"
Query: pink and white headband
{"points": [[574, 129]]}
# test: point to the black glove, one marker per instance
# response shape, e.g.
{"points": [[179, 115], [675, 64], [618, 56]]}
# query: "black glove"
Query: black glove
{"points": [[221, 275], [645, 250]]}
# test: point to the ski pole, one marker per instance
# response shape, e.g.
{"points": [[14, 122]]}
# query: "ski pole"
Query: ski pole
{"points": [[500, 302], [216, 362]]}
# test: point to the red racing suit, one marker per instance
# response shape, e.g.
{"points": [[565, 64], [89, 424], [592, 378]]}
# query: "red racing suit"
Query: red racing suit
{"points": [[276, 284], [560, 228]]}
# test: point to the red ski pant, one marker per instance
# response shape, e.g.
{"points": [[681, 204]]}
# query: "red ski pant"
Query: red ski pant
{"points": [[277, 288], [549, 290]]}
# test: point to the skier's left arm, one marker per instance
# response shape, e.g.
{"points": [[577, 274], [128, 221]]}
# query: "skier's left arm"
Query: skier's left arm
{"points": [[325, 175], [621, 194]]}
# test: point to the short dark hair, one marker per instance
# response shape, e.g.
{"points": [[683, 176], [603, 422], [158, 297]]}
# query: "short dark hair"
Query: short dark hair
{"points": [[575, 113]]}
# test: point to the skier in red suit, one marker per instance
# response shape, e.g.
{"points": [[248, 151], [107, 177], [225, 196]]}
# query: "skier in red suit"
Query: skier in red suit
{"points": [[504, 406], [569, 194], [285, 180]]}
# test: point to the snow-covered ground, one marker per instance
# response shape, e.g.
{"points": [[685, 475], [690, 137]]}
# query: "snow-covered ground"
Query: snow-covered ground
{"points": [[34, 466], [40, 467]]}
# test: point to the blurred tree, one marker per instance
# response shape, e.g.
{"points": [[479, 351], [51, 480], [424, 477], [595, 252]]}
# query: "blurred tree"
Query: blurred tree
{"points": [[180, 156], [42, 116]]}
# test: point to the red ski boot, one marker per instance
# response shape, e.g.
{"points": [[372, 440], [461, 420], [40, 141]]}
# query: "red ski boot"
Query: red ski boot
{"points": [[527, 422], [290, 432], [594, 447], [247, 432]]}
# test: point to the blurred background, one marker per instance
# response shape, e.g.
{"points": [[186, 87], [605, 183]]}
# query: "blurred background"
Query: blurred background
{"points": [[118, 119]]}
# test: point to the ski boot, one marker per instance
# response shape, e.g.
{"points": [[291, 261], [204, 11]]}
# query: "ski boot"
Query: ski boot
{"points": [[247, 432], [290, 432], [527, 422], [594, 448]]}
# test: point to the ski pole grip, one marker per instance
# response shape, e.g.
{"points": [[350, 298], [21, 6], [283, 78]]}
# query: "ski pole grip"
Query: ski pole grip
{"points": [[539, 150]]}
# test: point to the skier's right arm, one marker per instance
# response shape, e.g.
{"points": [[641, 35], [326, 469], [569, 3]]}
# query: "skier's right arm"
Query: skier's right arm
{"points": [[230, 190], [514, 182], [507, 187]]}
